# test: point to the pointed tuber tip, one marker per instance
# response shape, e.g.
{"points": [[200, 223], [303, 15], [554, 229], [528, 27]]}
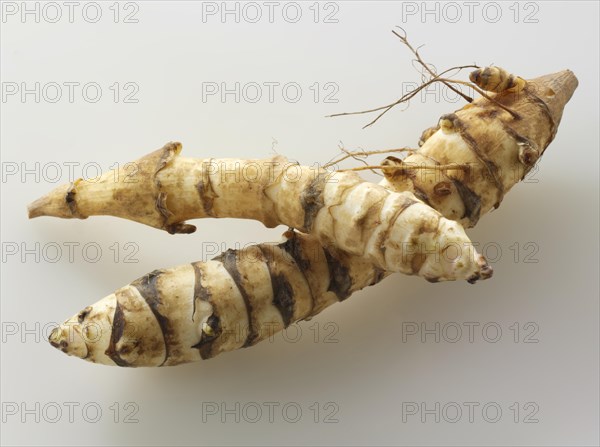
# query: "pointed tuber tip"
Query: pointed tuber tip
{"points": [[52, 204], [555, 89]]}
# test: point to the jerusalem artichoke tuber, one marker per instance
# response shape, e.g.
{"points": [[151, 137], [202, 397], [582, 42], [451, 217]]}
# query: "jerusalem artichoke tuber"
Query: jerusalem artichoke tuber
{"points": [[394, 230], [489, 148], [199, 310]]}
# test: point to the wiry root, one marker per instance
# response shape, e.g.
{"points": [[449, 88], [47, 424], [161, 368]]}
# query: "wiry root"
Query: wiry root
{"points": [[359, 155], [391, 166], [435, 77], [387, 167]]}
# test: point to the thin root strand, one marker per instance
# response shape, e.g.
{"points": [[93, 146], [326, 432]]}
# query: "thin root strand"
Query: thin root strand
{"points": [[357, 154], [434, 78], [449, 167]]}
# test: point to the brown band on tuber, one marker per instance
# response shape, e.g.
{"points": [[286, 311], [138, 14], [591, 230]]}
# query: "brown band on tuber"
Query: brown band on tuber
{"points": [[161, 206], [70, 200], [311, 200], [292, 247], [118, 325], [490, 165], [148, 289], [229, 261], [207, 193], [340, 281], [283, 293], [471, 201]]}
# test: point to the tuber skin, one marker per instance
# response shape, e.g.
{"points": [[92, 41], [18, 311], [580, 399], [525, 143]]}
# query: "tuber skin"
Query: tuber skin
{"points": [[393, 230], [491, 149], [199, 310]]}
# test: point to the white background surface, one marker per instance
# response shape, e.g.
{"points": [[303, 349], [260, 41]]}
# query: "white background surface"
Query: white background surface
{"points": [[371, 373]]}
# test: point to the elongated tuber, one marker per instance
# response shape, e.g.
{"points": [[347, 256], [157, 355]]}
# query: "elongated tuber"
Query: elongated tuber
{"points": [[393, 230], [199, 310]]}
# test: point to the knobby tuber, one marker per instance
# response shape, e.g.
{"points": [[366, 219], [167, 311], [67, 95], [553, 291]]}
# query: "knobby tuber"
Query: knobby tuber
{"points": [[485, 150], [199, 310], [394, 230]]}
